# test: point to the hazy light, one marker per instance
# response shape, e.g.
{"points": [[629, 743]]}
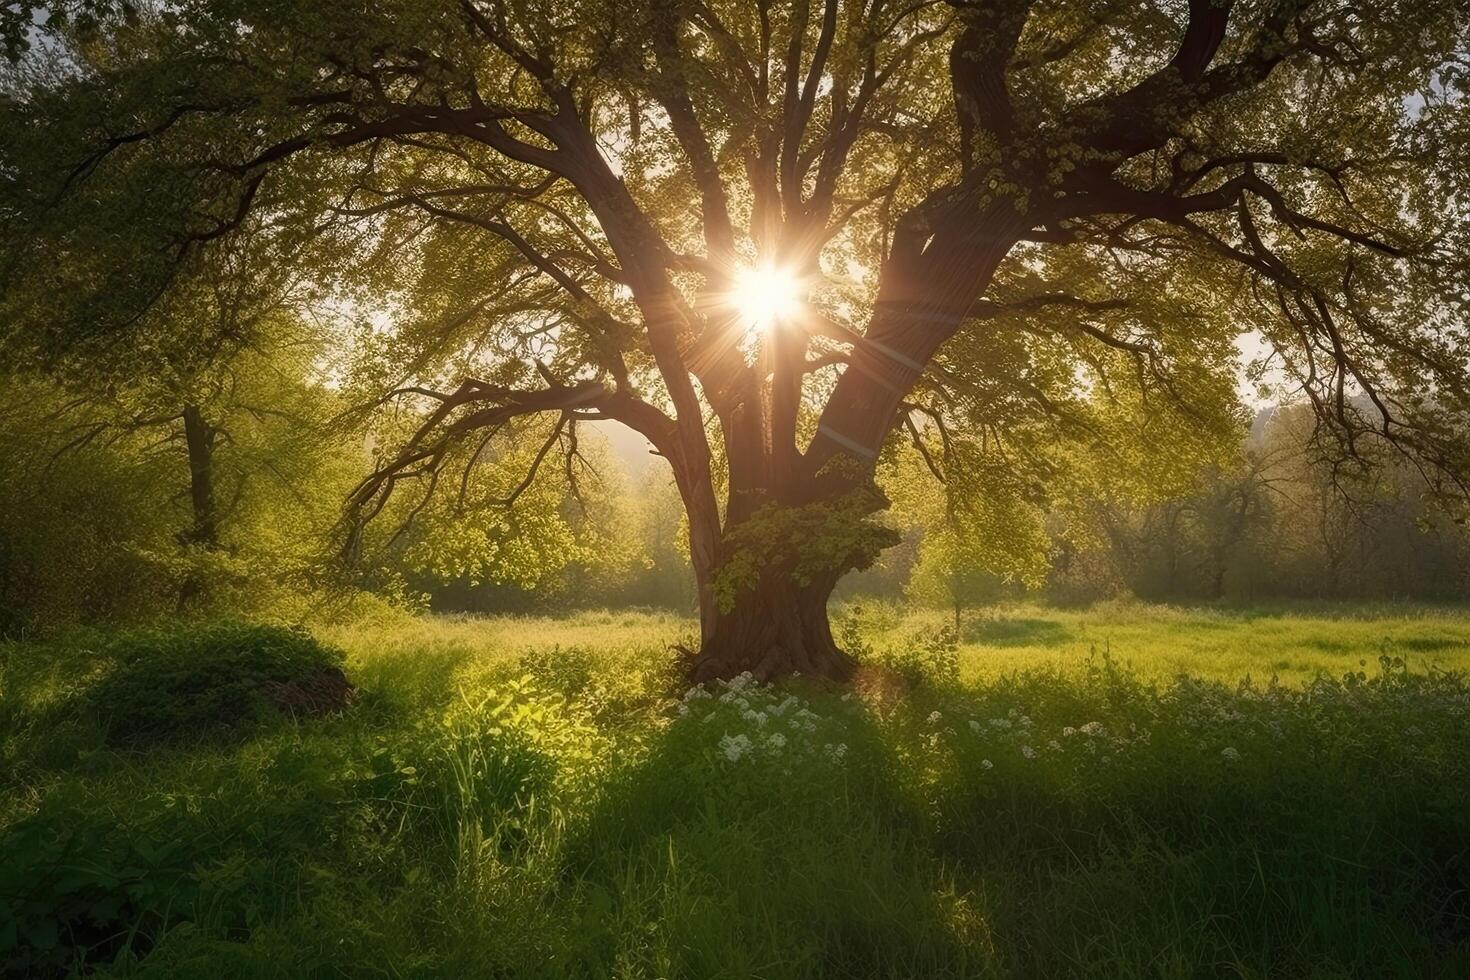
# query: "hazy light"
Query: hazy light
{"points": [[765, 295]]}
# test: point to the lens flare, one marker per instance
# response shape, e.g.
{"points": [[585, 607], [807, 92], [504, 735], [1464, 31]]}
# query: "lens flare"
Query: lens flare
{"points": [[765, 295]]}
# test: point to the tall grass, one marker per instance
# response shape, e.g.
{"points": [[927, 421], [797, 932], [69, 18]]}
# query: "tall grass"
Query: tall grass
{"points": [[540, 798]]}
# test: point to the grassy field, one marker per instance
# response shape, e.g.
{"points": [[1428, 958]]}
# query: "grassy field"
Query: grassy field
{"points": [[1089, 792], [1292, 642]]}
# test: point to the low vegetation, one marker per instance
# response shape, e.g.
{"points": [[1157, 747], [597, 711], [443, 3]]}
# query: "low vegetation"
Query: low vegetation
{"points": [[1043, 794]]}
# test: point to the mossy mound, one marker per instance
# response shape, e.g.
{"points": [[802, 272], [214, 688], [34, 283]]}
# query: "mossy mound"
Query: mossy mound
{"points": [[199, 681]]}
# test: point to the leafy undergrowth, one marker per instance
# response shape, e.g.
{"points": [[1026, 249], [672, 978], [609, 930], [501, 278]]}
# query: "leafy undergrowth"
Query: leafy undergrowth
{"points": [[556, 811]]}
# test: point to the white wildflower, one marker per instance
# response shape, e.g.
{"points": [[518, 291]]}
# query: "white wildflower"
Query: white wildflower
{"points": [[1230, 754], [934, 717], [776, 741], [1068, 732], [735, 746], [1028, 751], [974, 725], [986, 764]]}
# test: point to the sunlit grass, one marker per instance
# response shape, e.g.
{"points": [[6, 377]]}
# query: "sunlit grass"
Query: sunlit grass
{"points": [[528, 796]]}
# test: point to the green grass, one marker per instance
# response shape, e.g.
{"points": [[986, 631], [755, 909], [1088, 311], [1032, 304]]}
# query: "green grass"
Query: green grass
{"points": [[519, 797], [1293, 642]]}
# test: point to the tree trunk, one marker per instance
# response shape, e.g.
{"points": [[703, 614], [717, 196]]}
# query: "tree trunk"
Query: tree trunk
{"points": [[203, 531], [199, 440], [775, 630], [779, 626]]}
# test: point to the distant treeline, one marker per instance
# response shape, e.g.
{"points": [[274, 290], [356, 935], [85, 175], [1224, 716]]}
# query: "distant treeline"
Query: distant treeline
{"points": [[1290, 520]]}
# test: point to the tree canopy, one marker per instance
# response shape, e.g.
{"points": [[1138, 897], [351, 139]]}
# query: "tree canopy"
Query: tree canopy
{"points": [[778, 239]]}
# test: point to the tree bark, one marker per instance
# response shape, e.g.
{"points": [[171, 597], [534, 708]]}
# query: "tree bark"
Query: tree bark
{"points": [[776, 630]]}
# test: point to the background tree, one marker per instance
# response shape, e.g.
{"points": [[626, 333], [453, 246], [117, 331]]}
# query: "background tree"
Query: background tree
{"points": [[763, 234], [111, 510]]}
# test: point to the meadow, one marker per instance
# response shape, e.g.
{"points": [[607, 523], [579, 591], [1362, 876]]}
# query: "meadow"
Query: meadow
{"points": [[1122, 790]]}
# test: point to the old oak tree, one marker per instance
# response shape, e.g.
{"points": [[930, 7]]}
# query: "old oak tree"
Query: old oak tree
{"points": [[775, 238]]}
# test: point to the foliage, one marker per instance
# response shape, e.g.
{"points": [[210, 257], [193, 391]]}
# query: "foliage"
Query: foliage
{"points": [[100, 520], [190, 682], [804, 544], [499, 528], [1278, 519]]}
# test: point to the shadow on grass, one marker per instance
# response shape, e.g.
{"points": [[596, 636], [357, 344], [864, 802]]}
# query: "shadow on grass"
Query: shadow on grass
{"points": [[962, 838], [788, 863]]}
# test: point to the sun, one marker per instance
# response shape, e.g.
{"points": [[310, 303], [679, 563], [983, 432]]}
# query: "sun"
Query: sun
{"points": [[765, 295]]}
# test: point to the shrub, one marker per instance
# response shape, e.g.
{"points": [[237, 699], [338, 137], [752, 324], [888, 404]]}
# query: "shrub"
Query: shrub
{"points": [[194, 681]]}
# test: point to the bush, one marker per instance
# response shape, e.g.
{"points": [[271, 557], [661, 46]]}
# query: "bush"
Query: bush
{"points": [[194, 681]]}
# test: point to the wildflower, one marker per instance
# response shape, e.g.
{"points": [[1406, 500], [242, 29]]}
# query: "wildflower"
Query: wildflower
{"points": [[1028, 751], [1094, 728], [1003, 724], [974, 725], [734, 746], [1230, 754], [1069, 731], [1054, 745], [750, 714], [934, 717], [986, 764], [776, 741]]}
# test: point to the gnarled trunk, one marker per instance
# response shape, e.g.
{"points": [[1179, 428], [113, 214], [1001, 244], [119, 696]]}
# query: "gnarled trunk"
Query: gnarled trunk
{"points": [[774, 630]]}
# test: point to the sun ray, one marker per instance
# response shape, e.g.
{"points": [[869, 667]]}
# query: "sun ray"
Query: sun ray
{"points": [[765, 295]]}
